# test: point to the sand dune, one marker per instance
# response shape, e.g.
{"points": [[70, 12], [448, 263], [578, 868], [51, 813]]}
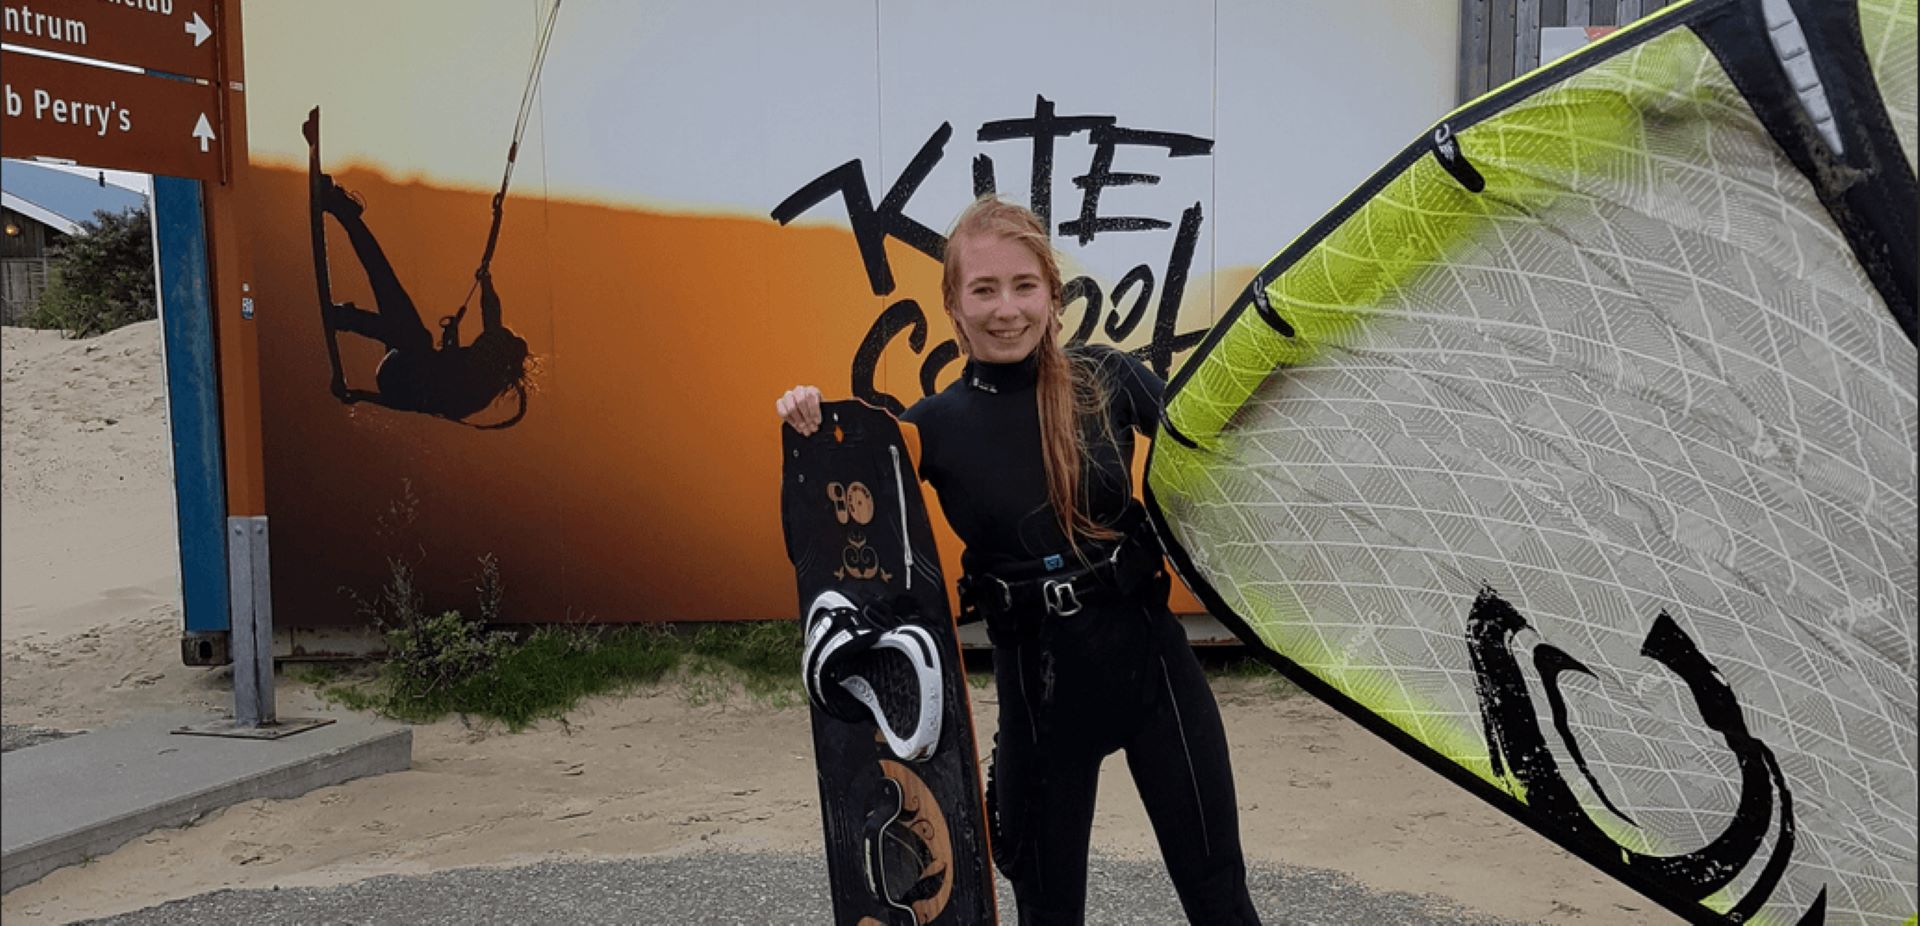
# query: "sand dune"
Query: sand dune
{"points": [[88, 532]]}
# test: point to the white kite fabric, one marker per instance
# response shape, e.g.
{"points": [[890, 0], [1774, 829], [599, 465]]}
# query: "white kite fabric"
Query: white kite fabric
{"points": [[1636, 395], [1887, 28]]}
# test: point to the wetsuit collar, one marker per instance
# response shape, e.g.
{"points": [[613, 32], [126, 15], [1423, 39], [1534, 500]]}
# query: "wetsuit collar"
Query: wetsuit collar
{"points": [[1003, 377]]}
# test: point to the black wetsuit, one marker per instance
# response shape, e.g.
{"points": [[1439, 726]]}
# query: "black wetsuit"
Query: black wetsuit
{"points": [[1118, 674]]}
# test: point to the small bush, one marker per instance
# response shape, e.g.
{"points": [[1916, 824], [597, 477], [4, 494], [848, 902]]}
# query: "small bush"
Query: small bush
{"points": [[431, 652], [100, 279], [432, 655]]}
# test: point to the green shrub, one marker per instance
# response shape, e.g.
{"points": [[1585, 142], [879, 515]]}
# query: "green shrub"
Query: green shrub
{"points": [[431, 656], [100, 279]]}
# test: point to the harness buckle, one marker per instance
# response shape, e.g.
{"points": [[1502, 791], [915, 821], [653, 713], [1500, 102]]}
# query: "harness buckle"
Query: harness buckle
{"points": [[1061, 598]]}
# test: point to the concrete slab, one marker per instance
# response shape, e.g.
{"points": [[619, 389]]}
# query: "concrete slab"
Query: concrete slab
{"points": [[78, 798]]}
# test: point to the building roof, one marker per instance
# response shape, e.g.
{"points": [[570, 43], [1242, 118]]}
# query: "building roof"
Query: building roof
{"points": [[60, 199]]}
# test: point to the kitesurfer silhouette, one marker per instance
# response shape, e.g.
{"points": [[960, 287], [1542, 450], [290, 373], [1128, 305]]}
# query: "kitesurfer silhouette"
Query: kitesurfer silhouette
{"points": [[447, 378]]}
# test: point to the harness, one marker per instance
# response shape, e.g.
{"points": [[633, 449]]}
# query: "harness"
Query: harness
{"points": [[1114, 573]]}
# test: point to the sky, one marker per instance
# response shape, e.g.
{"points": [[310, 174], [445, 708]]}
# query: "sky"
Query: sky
{"points": [[128, 180]]}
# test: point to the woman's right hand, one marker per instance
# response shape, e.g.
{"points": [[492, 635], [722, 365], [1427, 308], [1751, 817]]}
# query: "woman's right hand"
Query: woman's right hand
{"points": [[800, 408]]}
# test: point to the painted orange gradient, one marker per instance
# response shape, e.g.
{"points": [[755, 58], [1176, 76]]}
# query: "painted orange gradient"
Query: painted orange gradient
{"points": [[643, 483]]}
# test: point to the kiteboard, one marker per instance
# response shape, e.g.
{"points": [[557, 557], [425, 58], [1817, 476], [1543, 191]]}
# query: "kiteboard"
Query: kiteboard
{"points": [[316, 219], [900, 797]]}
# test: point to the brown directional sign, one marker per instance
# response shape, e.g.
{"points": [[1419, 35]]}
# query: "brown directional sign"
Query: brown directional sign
{"points": [[175, 36], [106, 118]]}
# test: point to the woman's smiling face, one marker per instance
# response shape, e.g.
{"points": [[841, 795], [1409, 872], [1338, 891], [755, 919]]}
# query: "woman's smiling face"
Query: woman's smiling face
{"points": [[1004, 304]]}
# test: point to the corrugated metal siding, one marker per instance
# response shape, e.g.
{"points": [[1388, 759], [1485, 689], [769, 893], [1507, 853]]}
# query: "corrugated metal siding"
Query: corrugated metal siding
{"points": [[1500, 39]]}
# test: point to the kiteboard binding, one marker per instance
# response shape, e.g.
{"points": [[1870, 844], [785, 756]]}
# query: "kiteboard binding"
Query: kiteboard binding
{"points": [[900, 797]]}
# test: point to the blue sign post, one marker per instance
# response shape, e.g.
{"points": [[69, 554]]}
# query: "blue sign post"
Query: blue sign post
{"points": [[193, 409]]}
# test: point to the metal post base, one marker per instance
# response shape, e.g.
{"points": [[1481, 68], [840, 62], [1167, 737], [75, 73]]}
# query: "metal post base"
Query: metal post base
{"points": [[251, 600], [273, 730]]}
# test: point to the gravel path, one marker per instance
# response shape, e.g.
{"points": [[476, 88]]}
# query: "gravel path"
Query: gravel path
{"points": [[756, 889]]}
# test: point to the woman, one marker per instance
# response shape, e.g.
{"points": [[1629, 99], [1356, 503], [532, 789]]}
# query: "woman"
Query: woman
{"points": [[1029, 451]]}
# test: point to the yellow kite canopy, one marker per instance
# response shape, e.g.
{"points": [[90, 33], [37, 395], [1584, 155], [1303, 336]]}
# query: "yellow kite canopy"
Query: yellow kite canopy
{"points": [[1575, 454]]}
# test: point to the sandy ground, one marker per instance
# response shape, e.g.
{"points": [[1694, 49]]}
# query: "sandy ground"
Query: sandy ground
{"points": [[89, 638], [87, 486]]}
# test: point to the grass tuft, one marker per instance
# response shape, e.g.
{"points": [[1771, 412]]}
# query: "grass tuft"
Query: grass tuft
{"points": [[554, 668], [1251, 669]]}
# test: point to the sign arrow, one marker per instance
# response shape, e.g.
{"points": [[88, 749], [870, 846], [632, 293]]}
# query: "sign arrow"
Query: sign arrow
{"points": [[203, 131], [99, 31], [200, 30], [153, 130]]}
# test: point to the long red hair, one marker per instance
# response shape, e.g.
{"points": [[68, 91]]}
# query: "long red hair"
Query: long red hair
{"points": [[1064, 390]]}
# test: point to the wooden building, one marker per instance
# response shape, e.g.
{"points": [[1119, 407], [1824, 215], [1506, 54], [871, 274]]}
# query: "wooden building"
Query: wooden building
{"points": [[39, 206]]}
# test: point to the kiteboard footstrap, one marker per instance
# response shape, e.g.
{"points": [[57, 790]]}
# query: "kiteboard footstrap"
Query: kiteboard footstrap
{"points": [[855, 672]]}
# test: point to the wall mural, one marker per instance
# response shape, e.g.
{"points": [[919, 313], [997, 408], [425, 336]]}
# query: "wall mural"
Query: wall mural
{"points": [[530, 275]]}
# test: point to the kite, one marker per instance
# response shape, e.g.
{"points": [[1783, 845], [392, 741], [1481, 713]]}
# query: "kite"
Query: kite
{"points": [[1575, 454]]}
